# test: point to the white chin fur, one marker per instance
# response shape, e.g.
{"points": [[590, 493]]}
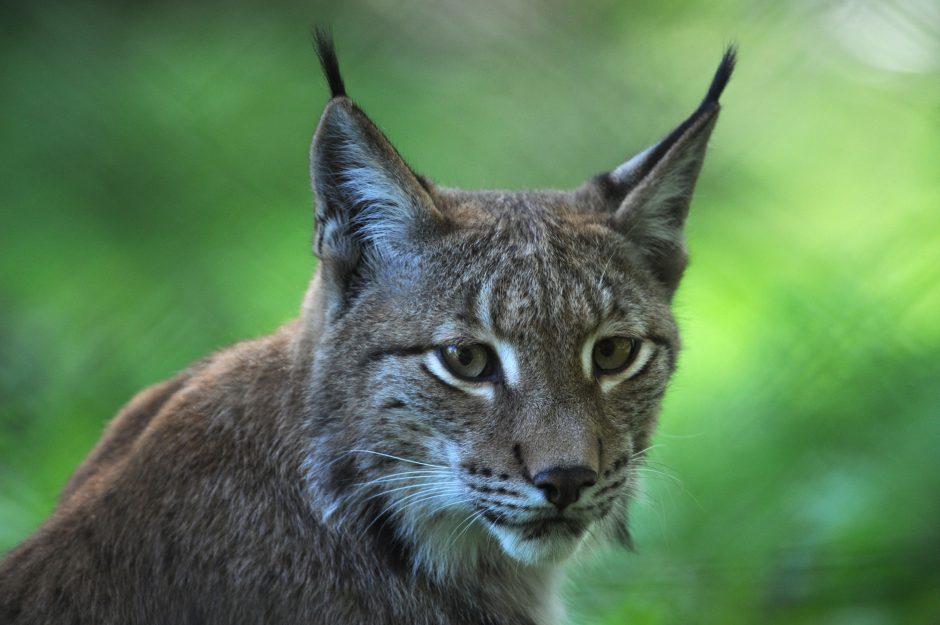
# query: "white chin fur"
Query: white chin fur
{"points": [[547, 550]]}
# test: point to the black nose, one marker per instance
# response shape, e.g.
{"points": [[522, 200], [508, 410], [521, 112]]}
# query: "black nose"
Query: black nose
{"points": [[562, 486]]}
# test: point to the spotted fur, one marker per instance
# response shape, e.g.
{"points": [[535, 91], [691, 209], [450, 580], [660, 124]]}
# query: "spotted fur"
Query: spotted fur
{"points": [[337, 472]]}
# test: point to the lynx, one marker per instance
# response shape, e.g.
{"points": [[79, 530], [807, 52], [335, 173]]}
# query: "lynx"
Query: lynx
{"points": [[461, 405]]}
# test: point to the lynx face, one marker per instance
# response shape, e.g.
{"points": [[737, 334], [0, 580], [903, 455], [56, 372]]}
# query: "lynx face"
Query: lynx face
{"points": [[523, 355], [491, 364]]}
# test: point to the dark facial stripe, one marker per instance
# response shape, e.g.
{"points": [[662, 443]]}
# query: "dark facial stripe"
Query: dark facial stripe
{"points": [[398, 351], [486, 490], [613, 485], [509, 506]]}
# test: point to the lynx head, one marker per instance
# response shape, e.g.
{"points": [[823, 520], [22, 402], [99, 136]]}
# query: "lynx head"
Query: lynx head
{"points": [[489, 365]]}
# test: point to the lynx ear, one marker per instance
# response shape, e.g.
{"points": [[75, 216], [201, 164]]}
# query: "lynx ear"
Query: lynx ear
{"points": [[370, 204], [649, 195]]}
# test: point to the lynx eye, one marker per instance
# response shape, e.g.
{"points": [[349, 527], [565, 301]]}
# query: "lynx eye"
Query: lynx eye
{"points": [[469, 362], [614, 354]]}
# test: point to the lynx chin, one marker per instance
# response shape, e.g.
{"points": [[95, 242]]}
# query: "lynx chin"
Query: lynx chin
{"points": [[462, 404]]}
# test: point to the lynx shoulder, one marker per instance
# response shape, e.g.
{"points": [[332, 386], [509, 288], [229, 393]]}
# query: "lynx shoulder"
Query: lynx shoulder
{"points": [[462, 405]]}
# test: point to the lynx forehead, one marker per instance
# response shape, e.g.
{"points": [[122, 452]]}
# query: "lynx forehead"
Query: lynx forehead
{"points": [[464, 402]]}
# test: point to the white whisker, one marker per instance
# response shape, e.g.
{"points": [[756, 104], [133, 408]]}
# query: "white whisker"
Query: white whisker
{"points": [[644, 450], [414, 498], [647, 470], [473, 518], [467, 518], [406, 475], [409, 486], [379, 453]]}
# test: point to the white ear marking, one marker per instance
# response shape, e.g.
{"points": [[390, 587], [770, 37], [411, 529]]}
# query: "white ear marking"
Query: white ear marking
{"points": [[624, 172]]}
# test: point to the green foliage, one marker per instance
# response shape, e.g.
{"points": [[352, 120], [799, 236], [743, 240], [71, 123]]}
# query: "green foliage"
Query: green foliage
{"points": [[155, 207]]}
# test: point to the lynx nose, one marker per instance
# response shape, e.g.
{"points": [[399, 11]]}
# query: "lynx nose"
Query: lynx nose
{"points": [[562, 485]]}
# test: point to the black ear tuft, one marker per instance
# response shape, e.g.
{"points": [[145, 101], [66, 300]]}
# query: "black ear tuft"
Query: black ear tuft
{"points": [[722, 76], [649, 195], [708, 106], [326, 51]]}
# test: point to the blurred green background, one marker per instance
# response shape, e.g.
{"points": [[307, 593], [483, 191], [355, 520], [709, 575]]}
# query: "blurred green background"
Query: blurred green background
{"points": [[156, 207]]}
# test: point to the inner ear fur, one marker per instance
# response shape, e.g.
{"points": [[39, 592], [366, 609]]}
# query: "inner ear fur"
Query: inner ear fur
{"points": [[371, 208], [366, 195]]}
